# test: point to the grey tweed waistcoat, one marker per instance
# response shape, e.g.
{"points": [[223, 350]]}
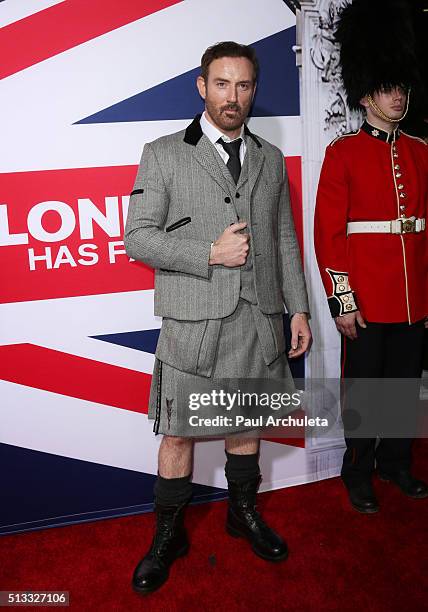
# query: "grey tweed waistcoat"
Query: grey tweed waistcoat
{"points": [[240, 196]]}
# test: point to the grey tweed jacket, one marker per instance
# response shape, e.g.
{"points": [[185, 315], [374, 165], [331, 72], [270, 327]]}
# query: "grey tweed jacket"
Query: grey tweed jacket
{"points": [[182, 202]]}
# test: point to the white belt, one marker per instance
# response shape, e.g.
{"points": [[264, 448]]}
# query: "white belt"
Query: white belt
{"points": [[396, 226]]}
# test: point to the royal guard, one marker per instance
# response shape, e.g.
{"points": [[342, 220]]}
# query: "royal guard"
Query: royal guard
{"points": [[370, 231]]}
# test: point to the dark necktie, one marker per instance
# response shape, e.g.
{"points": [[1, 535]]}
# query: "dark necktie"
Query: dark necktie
{"points": [[233, 163]]}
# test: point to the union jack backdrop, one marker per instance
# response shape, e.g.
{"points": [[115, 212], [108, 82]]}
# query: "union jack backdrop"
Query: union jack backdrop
{"points": [[84, 86]]}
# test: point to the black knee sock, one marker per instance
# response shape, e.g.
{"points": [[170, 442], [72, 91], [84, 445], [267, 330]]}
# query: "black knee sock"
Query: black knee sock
{"points": [[173, 491], [241, 467]]}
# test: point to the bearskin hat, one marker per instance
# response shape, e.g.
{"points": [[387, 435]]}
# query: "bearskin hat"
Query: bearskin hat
{"points": [[377, 48]]}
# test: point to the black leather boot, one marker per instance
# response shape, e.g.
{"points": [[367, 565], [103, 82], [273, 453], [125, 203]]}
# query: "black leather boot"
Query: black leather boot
{"points": [[362, 497], [418, 489], [169, 542], [243, 520]]}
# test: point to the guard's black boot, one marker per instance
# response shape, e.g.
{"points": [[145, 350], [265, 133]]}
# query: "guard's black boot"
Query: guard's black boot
{"points": [[169, 542], [410, 486], [243, 520], [362, 497]]}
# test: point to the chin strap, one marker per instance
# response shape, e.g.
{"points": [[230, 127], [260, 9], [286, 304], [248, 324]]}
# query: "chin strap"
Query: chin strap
{"points": [[375, 108]]}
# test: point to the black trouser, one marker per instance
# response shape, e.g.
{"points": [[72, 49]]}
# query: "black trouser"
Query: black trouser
{"points": [[382, 350]]}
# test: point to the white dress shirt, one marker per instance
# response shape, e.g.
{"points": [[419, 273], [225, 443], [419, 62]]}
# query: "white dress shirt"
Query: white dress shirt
{"points": [[213, 134]]}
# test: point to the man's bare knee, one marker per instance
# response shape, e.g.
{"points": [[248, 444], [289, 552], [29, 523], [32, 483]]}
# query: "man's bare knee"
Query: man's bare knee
{"points": [[175, 457], [176, 442]]}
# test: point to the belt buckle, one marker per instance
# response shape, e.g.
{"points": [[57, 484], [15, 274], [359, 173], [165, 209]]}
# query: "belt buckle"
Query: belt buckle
{"points": [[408, 226]]}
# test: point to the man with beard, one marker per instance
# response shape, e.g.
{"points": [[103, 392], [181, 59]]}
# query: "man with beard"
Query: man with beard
{"points": [[371, 242], [210, 211]]}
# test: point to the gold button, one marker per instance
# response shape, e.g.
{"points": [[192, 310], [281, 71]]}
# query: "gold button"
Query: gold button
{"points": [[340, 279], [403, 195], [403, 216], [400, 186], [341, 288], [396, 167], [345, 298], [395, 154], [348, 306], [402, 208], [398, 174]]}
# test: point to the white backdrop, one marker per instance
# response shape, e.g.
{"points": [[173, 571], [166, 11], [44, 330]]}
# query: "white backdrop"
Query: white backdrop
{"points": [[77, 330]]}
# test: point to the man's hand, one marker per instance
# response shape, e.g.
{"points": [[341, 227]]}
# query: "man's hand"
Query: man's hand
{"points": [[231, 248], [346, 324], [300, 335]]}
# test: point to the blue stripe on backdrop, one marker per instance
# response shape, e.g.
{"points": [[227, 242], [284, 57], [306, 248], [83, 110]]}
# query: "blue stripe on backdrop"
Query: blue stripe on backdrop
{"points": [[42, 490], [178, 98], [145, 340]]}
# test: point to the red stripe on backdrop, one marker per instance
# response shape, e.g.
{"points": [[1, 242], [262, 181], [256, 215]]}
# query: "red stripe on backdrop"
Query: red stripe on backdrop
{"points": [[66, 25], [32, 269], [86, 379], [294, 169], [112, 271]]}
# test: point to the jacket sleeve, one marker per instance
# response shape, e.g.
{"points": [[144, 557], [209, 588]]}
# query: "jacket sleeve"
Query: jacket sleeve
{"points": [[145, 238], [293, 284], [331, 216]]}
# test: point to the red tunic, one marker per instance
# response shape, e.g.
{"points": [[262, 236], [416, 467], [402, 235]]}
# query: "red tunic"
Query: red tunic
{"points": [[367, 177]]}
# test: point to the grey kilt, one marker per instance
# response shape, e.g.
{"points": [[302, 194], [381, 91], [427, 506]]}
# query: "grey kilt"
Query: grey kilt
{"points": [[246, 344]]}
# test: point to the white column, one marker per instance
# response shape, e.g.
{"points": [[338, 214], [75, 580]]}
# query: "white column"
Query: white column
{"points": [[324, 116]]}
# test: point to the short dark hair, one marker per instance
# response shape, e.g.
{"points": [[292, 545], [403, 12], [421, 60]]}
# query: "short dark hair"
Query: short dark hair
{"points": [[228, 48]]}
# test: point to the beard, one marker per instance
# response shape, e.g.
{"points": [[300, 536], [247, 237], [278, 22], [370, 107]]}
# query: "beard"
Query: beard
{"points": [[228, 117]]}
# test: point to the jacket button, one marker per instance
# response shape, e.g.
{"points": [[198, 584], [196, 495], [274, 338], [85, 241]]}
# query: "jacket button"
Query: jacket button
{"points": [[237, 195], [227, 200]]}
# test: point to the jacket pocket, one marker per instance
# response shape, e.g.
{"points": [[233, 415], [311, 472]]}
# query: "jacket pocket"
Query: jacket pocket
{"points": [[208, 348], [189, 346]]}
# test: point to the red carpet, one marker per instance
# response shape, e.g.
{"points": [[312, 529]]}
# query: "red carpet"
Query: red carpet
{"points": [[339, 559]]}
